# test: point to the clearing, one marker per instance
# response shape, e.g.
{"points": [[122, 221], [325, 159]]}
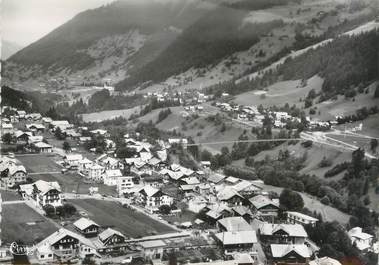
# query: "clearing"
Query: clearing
{"points": [[110, 214]]}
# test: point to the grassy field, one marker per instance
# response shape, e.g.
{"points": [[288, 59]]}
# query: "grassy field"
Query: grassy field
{"points": [[20, 222], [129, 222], [70, 181], [110, 114], [9, 196], [280, 93]]}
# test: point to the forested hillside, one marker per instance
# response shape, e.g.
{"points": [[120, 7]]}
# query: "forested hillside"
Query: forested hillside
{"points": [[344, 63]]}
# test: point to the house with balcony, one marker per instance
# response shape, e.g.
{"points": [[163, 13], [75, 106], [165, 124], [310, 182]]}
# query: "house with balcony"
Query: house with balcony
{"points": [[87, 227], [95, 172], [72, 160], [111, 176], [236, 242], [111, 241], [63, 246], [265, 207], [300, 218], [289, 254], [282, 234], [153, 198]]}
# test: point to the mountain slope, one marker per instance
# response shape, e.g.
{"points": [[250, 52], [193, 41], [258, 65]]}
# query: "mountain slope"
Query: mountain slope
{"points": [[114, 32], [8, 48]]}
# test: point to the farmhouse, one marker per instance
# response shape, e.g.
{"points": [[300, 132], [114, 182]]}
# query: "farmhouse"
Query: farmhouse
{"points": [[283, 233], [267, 208], [153, 198], [46, 193]]}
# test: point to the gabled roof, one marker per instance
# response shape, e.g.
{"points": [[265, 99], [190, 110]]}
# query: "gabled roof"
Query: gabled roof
{"points": [[108, 233], [232, 180], [95, 166], [149, 190], [356, 232], [227, 194], [73, 157], [152, 244], [216, 178], [42, 145], [244, 185], [235, 223], [237, 237], [281, 250], [293, 230], [84, 223], [261, 201], [191, 180], [44, 186], [241, 210], [60, 234]]}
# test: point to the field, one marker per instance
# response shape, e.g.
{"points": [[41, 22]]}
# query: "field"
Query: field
{"points": [[280, 93], [20, 222], [129, 222], [110, 114], [9, 196], [50, 171]]}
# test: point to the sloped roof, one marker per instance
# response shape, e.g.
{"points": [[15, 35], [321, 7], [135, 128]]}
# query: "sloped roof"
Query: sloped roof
{"points": [[281, 250], [237, 237], [110, 173], [84, 223], [302, 216], [244, 184], [261, 201], [227, 193], [42, 145], [216, 178], [235, 223], [108, 233], [149, 190], [294, 230], [61, 233], [44, 186], [191, 180]]}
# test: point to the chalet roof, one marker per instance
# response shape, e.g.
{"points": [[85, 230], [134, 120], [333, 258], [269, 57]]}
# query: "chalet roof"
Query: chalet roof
{"points": [[324, 261], [44, 186], [235, 223], [73, 157], [244, 184], [356, 232], [60, 234], [227, 193], [84, 223], [108, 233], [42, 145], [191, 180], [293, 230], [237, 237], [149, 190], [281, 250], [241, 210], [261, 201], [232, 180], [216, 178]]}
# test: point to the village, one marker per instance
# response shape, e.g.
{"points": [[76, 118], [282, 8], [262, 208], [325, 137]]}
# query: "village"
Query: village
{"points": [[151, 207]]}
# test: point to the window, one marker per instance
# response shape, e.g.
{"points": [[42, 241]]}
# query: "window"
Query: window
{"points": [[42, 256], [50, 255]]}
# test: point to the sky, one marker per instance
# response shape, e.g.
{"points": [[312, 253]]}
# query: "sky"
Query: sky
{"points": [[25, 21]]}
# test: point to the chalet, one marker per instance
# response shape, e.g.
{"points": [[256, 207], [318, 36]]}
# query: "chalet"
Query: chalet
{"points": [[265, 207], [235, 223], [238, 242], [33, 116], [110, 177], [283, 233], [216, 212], [72, 160], [216, 178], [35, 139], [47, 193], [62, 125], [109, 162], [154, 198], [23, 136], [361, 240], [111, 241], [290, 254], [35, 127], [87, 227], [42, 147], [124, 183], [46, 120], [64, 245], [12, 174], [246, 188], [154, 180], [300, 218], [178, 141], [243, 212], [230, 197]]}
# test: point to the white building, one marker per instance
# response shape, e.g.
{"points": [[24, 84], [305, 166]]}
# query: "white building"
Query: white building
{"points": [[95, 172], [110, 177], [300, 218], [363, 241], [124, 183]]}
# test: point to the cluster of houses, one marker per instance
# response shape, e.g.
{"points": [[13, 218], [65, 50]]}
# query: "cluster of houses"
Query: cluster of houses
{"points": [[279, 119], [182, 98]]}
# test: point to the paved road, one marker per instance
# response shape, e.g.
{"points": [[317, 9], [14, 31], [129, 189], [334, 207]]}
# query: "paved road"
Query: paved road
{"points": [[12, 202]]}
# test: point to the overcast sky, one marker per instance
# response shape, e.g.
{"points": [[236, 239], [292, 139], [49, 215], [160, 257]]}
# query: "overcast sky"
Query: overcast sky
{"points": [[25, 21]]}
